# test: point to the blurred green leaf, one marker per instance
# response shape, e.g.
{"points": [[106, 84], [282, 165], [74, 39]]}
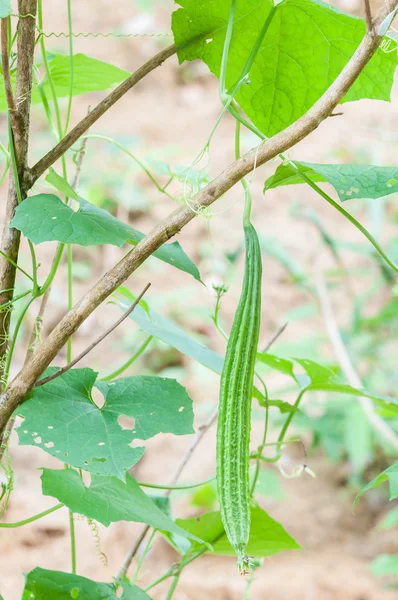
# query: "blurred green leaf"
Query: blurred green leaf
{"points": [[385, 564], [267, 536], [205, 496], [390, 475], [164, 329], [269, 484], [5, 9], [390, 520], [89, 75], [358, 438]]}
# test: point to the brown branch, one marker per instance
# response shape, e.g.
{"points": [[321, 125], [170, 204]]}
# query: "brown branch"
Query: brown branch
{"points": [[368, 16], [20, 109], [51, 157], [266, 151], [95, 343], [12, 110], [341, 353]]}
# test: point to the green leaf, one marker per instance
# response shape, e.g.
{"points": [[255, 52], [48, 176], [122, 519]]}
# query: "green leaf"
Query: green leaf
{"points": [[61, 185], [61, 418], [42, 584], [45, 218], [269, 485], [108, 500], [267, 536], [358, 437], [276, 363], [385, 564], [390, 520], [307, 43], [89, 75], [5, 9], [390, 475], [324, 379], [350, 181], [385, 25], [164, 329], [317, 373]]}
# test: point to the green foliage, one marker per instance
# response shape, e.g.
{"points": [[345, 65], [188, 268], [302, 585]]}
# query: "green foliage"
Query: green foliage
{"points": [[164, 329], [5, 8], [385, 564], [267, 537], [390, 520], [58, 415], [349, 181], [89, 75], [390, 475], [107, 500], [42, 584], [268, 485], [45, 218], [300, 30]]}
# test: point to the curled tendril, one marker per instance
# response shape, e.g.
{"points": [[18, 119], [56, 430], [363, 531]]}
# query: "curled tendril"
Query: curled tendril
{"points": [[97, 541]]}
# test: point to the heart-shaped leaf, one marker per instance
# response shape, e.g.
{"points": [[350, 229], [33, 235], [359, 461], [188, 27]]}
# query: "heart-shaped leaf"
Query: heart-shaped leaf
{"points": [[61, 418]]}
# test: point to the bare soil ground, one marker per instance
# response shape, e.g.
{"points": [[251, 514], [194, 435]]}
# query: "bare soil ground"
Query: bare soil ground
{"points": [[169, 115]]}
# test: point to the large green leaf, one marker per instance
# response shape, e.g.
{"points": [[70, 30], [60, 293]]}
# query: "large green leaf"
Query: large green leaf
{"points": [[45, 218], [307, 45], [89, 75], [42, 584], [164, 329], [390, 475], [349, 181], [108, 500], [267, 536], [61, 418]]}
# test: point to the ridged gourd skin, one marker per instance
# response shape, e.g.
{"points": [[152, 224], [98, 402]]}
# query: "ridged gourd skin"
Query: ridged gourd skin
{"points": [[233, 430]]}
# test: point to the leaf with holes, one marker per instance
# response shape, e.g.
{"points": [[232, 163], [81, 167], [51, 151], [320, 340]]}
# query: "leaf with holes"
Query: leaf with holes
{"points": [[89, 75], [350, 181], [306, 46], [41, 584], [61, 418], [45, 218], [108, 500], [267, 536]]}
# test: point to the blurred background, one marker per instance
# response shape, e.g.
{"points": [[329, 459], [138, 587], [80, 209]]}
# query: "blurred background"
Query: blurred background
{"points": [[165, 121]]}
